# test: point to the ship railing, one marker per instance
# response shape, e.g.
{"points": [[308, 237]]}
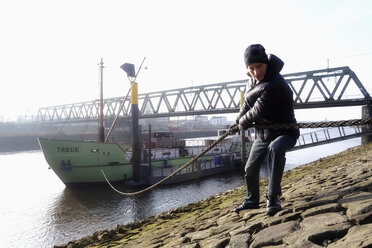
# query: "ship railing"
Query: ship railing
{"points": [[167, 153], [195, 150], [160, 154], [205, 164]]}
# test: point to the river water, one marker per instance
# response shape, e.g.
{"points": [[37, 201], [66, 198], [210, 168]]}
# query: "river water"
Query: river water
{"points": [[37, 210]]}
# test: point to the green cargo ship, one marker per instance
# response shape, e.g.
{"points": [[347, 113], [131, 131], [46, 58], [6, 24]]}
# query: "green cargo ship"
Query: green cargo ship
{"points": [[82, 162]]}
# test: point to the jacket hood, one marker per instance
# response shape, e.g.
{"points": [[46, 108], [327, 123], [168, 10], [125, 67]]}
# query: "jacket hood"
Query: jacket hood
{"points": [[275, 64]]}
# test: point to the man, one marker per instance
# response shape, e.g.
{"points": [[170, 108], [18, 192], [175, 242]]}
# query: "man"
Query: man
{"points": [[269, 100]]}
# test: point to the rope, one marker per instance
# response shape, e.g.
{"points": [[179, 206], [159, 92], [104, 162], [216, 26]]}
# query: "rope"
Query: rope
{"points": [[234, 129], [323, 124], [222, 137]]}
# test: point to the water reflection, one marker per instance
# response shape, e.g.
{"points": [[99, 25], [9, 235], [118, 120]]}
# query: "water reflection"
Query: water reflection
{"points": [[93, 208]]}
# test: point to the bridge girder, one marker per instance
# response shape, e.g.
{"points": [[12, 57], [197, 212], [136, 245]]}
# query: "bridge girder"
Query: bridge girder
{"points": [[333, 87]]}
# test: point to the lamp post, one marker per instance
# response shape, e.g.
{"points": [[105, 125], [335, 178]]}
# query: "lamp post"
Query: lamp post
{"points": [[136, 150]]}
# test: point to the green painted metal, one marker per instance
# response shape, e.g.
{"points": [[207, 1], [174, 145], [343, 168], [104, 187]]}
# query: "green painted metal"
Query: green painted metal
{"points": [[82, 161]]}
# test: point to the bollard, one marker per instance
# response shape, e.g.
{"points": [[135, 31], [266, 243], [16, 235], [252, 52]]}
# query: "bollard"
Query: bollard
{"points": [[367, 112]]}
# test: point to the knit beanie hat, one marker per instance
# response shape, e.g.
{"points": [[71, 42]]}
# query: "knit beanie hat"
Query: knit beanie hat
{"points": [[255, 54]]}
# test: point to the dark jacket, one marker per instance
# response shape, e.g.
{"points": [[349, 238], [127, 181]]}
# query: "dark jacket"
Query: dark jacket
{"points": [[269, 101]]}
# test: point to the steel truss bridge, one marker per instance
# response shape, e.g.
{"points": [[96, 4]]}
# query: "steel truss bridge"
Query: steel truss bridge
{"points": [[333, 87]]}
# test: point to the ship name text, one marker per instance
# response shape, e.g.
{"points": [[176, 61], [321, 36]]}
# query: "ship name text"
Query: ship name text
{"points": [[68, 149]]}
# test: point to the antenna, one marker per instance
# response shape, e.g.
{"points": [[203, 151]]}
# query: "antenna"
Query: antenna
{"points": [[140, 68], [101, 134]]}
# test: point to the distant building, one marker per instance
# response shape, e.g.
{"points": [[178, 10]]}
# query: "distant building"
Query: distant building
{"points": [[156, 123], [218, 121], [200, 119]]}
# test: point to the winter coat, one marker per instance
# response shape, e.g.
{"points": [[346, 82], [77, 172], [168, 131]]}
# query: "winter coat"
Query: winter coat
{"points": [[269, 101]]}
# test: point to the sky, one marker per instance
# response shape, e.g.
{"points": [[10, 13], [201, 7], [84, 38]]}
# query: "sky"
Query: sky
{"points": [[50, 50]]}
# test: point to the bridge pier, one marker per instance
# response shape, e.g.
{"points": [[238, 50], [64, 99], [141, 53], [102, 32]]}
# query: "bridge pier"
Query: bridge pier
{"points": [[366, 113]]}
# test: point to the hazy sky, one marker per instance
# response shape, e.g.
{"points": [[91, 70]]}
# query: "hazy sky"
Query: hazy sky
{"points": [[50, 49]]}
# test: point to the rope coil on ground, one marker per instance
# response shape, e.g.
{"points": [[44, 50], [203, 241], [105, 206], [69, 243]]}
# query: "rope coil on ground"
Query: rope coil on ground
{"points": [[234, 129]]}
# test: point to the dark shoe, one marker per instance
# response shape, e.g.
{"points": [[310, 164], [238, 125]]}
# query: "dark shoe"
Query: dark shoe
{"points": [[246, 205], [273, 205]]}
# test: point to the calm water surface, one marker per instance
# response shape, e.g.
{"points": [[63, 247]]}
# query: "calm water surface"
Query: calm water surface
{"points": [[37, 210]]}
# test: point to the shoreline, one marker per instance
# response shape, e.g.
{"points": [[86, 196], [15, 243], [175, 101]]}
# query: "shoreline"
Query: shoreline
{"points": [[326, 202]]}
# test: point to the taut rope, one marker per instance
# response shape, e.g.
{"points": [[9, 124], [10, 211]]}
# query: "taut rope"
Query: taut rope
{"points": [[323, 124], [235, 128]]}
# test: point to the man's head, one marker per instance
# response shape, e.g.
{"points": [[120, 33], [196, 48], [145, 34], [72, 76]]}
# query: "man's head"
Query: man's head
{"points": [[256, 60]]}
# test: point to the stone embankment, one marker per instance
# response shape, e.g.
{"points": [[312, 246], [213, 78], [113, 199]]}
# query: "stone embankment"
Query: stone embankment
{"points": [[327, 203]]}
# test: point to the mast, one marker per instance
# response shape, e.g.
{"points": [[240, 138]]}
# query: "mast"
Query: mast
{"points": [[101, 130]]}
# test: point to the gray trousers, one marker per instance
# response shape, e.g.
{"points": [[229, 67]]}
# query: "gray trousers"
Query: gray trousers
{"points": [[275, 151]]}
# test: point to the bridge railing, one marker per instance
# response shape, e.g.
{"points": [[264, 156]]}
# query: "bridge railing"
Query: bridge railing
{"points": [[327, 135]]}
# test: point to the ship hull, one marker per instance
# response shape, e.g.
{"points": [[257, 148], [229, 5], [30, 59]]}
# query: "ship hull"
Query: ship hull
{"points": [[88, 162], [82, 162]]}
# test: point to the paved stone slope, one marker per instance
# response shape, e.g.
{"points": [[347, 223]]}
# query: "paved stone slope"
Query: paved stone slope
{"points": [[327, 203]]}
